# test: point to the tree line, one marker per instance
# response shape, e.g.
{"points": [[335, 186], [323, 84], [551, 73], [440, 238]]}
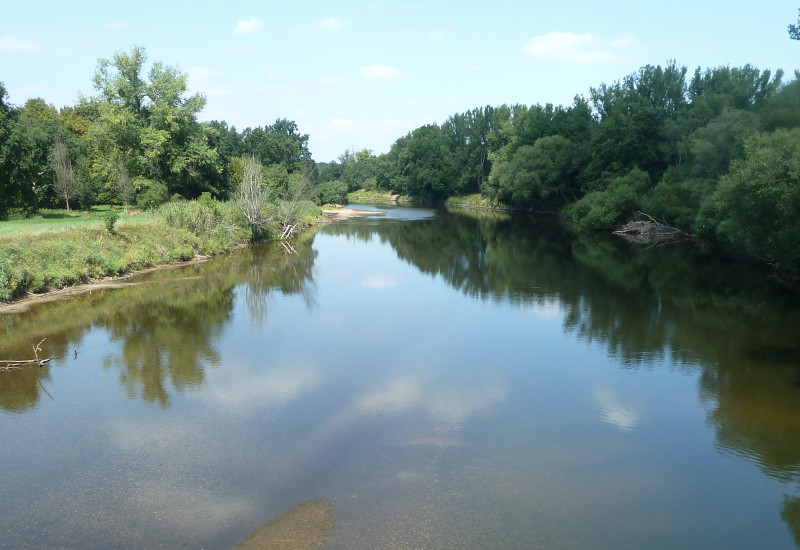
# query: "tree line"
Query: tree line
{"points": [[715, 152], [137, 141]]}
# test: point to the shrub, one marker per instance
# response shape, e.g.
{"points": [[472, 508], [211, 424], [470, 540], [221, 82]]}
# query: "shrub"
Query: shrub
{"points": [[155, 194], [604, 209], [110, 219], [332, 192]]}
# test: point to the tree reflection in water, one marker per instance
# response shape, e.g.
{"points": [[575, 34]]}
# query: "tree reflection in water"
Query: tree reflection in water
{"points": [[167, 324], [724, 320]]}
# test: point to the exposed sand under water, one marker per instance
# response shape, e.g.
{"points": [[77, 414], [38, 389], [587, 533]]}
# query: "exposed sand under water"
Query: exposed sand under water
{"points": [[304, 526]]}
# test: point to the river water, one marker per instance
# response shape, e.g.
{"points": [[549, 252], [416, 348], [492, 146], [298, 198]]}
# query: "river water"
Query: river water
{"points": [[437, 379]]}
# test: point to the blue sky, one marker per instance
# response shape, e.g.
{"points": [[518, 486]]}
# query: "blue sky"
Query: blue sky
{"points": [[361, 74]]}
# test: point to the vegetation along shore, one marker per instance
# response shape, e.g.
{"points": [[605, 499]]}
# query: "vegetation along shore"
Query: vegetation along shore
{"points": [[712, 154]]}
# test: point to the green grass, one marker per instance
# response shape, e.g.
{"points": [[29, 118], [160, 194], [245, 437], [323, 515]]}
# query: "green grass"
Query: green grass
{"points": [[59, 220], [54, 249]]}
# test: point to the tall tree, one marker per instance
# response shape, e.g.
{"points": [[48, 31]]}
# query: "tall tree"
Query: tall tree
{"points": [[152, 123], [64, 182]]}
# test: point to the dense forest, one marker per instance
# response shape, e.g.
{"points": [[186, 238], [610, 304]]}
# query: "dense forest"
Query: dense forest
{"points": [[137, 141], [715, 152]]}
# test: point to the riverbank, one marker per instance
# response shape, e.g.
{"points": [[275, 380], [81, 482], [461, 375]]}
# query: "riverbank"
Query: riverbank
{"points": [[39, 267]]}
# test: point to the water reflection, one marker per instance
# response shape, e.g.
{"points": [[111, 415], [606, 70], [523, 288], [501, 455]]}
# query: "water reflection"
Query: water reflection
{"points": [[680, 306], [167, 323], [724, 320]]}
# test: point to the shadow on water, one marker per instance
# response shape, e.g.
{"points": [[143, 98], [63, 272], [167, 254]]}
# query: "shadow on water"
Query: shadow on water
{"points": [[167, 327]]}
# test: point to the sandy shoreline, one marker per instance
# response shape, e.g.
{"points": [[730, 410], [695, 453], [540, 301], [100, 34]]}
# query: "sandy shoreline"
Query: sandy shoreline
{"points": [[23, 304], [335, 214]]}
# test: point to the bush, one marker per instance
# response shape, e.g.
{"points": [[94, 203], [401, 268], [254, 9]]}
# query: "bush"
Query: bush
{"points": [[110, 219], [604, 209], [756, 205], [154, 194], [332, 192]]}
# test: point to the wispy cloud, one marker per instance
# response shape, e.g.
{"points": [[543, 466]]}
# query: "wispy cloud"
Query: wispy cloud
{"points": [[379, 72], [614, 412], [380, 282], [578, 48], [12, 44], [248, 26], [332, 24]]}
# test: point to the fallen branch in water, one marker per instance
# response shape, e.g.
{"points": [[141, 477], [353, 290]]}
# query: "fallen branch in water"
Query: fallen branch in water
{"points": [[14, 364], [650, 231]]}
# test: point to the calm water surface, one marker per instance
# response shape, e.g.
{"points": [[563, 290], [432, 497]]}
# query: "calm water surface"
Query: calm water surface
{"points": [[444, 380]]}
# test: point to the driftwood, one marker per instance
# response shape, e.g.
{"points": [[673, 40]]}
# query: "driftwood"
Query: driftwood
{"points": [[14, 364], [650, 231]]}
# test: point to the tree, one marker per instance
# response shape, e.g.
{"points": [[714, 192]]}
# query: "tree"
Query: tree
{"points": [[64, 182], [151, 122], [25, 164], [123, 186], [251, 194], [794, 30], [756, 205]]}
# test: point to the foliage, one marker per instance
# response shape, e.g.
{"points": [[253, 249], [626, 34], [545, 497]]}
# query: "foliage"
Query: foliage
{"points": [[155, 193], [332, 192], [794, 30], [605, 209], [756, 204], [110, 220]]}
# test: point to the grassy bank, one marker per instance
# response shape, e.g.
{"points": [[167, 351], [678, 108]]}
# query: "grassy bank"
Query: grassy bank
{"points": [[53, 252]]}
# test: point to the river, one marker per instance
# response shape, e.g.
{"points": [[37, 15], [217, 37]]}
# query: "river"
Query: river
{"points": [[421, 379]]}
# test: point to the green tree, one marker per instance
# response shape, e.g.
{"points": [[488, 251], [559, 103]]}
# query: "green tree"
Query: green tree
{"points": [[756, 205], [794, 30], [151, 123]]}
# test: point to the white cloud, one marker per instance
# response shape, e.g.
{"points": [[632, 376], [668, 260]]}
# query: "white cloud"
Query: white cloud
{"points": [[614, 412], [248, 26], [12, 44], [332, 24], [116, 26], [622, 41], [380, 282], [577, 48], [379, 72], [242, 389], [341, 123]]}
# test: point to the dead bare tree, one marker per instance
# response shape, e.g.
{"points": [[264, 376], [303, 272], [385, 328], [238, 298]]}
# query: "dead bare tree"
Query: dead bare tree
{"points": [[252, 194], [123, 185], [299, 190], [64, 181]]}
